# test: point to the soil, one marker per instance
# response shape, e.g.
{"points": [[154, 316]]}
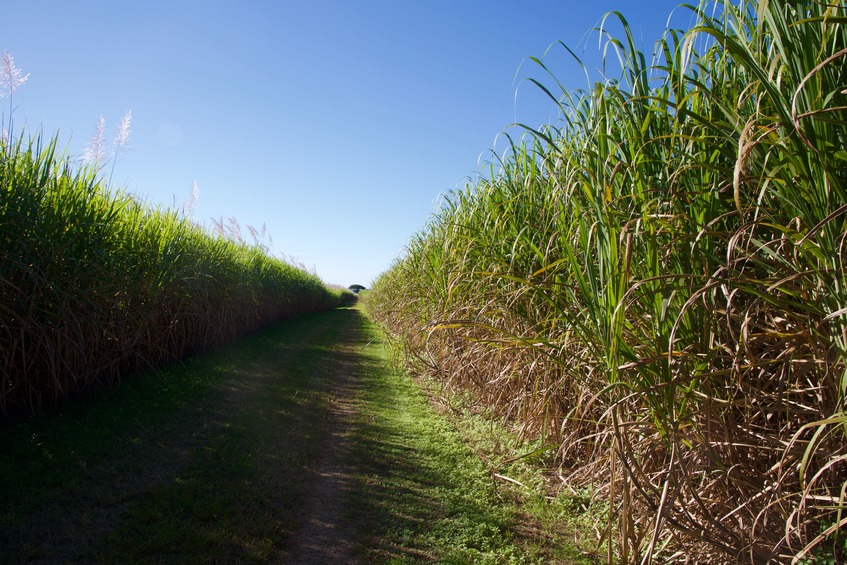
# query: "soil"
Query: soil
{"points": [[325, 536]]}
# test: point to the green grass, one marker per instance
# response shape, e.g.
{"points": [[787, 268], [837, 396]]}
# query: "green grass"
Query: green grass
{"points": [[212, 460], [426, 491], [202, 461]]}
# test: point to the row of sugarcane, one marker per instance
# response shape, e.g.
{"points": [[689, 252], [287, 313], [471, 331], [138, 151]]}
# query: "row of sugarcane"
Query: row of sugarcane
{"points": [[95, 285], [654, 288]]}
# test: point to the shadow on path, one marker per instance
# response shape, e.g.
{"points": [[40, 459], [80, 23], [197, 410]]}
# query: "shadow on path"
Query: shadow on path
{"points": [[297, 445]]}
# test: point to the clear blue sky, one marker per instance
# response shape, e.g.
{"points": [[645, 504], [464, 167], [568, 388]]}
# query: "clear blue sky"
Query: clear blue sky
{"points": [[336, 123]]}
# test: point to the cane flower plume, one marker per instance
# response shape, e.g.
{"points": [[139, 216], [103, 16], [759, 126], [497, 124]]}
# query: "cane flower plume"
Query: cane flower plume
{"points": [[10, 80], [95, 151], [121, 140], [234, 230], [10, 76], [122, 133], [192, 200]]}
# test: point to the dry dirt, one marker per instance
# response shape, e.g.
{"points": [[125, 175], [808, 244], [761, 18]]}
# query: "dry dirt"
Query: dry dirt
{"points": [[325, 536]]}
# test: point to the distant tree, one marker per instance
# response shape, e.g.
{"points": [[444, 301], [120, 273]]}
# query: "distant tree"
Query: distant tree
{"points": [[357, 288]]}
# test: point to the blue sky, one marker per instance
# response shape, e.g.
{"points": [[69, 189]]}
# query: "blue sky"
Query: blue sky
{"points": [[338, 124]]}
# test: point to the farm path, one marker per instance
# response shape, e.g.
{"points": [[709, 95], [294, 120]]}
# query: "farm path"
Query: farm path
{"points": [[326, 536], [298, 445], [234, 455]]}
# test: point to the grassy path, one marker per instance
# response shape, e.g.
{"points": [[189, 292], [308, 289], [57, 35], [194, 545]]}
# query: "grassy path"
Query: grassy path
{"points": [[298, 445]]}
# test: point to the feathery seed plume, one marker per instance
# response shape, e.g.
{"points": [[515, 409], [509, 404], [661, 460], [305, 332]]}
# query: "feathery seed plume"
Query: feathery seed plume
{"points": [[254, 233], [121, 141], [192, 199], [10, 80], [95, 150], [234, 230], [122, 134], [218, 226], [10, 75]]}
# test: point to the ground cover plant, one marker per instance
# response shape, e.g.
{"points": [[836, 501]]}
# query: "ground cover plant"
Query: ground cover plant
{"points": [[653, 288], [182, 463], [236, 453], [95, 285], [429, 488]]}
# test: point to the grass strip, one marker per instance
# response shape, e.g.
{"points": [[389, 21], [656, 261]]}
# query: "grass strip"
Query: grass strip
{"points": [[423, 490]]}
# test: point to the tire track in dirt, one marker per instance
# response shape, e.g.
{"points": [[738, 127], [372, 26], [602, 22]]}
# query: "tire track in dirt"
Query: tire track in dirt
{"points": [[327, 535]]}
